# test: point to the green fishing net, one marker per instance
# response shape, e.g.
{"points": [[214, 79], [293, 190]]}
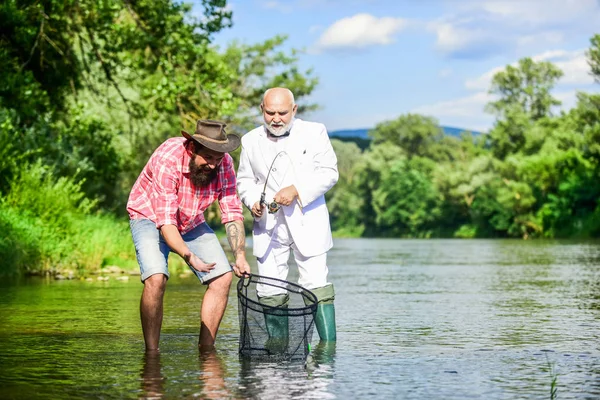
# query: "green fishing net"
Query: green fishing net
{"points": [[275, 327]]}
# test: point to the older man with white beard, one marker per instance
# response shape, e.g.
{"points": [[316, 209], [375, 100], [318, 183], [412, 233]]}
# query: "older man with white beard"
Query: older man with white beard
{"points": [[290, 164]]}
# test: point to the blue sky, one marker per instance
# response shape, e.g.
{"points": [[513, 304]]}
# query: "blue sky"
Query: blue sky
{"points": [[379, 59]]}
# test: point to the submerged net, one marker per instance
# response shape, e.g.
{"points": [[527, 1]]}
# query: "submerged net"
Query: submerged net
{"points": [[277, 327]]}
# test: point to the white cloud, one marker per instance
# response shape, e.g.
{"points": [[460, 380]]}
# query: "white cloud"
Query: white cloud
{"points": [[360, 31], [480, 28], [453, 39], [576, 69], [483, 81], [542, 12], [465, 112], [551, 38], [567, 98], [573, 64], [552, 55], [462, 107]]}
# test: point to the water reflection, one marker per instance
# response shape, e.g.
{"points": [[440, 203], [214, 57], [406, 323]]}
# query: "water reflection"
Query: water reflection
{"points": [[212, 375], [323, 354], [450, 320], [291, 379], [152, 378]]}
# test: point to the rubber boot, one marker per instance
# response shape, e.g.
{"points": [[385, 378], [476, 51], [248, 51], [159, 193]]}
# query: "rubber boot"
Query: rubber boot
{"points": [[276, 321], [324, 352], [325, 322], [325, 315]]}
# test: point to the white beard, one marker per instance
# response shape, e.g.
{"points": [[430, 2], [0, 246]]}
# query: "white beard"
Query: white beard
{"points": [[277, 130]]}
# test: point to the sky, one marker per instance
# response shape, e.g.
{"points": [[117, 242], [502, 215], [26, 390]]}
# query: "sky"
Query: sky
{"points": [[379, 59]]}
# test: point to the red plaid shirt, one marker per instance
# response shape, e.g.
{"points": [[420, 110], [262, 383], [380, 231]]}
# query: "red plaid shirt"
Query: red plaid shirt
{"points": [[164, 194]]}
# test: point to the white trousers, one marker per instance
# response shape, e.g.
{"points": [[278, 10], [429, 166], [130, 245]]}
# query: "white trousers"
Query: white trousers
{"points": [[312, 271]]}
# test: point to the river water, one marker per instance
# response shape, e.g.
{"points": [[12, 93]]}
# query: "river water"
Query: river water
{"points": [[417, 319]]}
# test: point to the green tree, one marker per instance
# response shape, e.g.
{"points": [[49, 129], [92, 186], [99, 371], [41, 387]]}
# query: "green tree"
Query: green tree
{"points": [[457, 183], [593, 54], [585, 118], [89, 84], [343, 202], [60, 44], [368, 175], [407, 203], [418, 135], [524, 97], [527, 87]]}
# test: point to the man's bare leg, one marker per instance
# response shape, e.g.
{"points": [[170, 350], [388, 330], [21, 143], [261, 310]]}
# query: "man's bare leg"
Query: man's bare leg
{"points": [[151, 309], [213, 308]]}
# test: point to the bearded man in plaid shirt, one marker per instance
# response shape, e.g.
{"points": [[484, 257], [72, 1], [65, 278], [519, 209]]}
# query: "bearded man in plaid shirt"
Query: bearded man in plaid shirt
{"points": [[183, 177]]}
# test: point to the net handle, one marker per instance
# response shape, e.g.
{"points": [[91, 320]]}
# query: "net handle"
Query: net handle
{"points": [[244, 275]]}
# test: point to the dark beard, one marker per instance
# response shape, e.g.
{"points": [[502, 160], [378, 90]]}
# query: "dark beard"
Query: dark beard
{"points": [[199, 177]]}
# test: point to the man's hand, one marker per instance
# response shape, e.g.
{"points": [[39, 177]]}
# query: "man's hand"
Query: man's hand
{"points": [[241, 266], [195, 262], [286, 196], [257, 209], [176, 243]]}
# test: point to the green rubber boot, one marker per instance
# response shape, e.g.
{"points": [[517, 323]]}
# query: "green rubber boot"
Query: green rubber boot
{"points": [[325, 322], [325, 316], [276, 322], [324, 352]]}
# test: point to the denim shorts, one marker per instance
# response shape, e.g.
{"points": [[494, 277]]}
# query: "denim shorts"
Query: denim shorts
{"points": [[152, 251]]}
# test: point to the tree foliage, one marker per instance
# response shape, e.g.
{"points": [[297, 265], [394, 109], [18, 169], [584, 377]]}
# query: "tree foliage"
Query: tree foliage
{"points": [[89, 84], [526, 88], [534, 174], [594, 57], [89, 89], [417, 135]]}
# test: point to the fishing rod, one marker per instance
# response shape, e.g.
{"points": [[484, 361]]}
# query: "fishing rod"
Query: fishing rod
{"points": [[273, 206]]}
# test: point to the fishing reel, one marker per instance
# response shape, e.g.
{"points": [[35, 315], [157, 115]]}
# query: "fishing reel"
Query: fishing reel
{"points": [[272, 207]]}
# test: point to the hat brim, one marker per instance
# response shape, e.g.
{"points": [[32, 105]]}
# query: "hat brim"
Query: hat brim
{"points": [[233, 142]]}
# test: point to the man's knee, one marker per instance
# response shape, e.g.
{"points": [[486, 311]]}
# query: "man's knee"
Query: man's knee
{"points": [[221, 283], [156, 284]]}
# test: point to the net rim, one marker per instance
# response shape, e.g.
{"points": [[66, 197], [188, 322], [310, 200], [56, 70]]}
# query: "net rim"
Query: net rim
{"points": [[299, 290]]}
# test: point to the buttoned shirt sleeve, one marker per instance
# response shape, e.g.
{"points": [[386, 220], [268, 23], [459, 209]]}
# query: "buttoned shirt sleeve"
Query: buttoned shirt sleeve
{"points": [[164, 197], [229, 202]]}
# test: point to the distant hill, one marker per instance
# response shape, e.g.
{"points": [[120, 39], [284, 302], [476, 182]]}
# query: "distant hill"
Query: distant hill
{"points": [[362, 133]]}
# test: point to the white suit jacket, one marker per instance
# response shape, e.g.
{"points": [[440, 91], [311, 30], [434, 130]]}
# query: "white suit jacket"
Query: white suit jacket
{"points": [[309, 163]]}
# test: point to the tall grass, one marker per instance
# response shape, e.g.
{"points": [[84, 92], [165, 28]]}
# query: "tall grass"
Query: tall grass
{"points": [[554, 379], [48, 226]]}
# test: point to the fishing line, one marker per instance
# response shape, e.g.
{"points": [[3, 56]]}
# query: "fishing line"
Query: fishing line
{"points": [[273, 206]]}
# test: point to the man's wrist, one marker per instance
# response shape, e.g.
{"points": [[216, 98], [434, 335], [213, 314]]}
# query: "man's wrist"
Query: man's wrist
{"points": [[187, 257]]}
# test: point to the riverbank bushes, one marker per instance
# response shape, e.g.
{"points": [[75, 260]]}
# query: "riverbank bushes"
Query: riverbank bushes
{"points": [[48, 225]]}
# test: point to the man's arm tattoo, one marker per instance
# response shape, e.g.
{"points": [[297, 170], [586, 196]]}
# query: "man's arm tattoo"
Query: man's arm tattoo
{"points": [[235, 236]]}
